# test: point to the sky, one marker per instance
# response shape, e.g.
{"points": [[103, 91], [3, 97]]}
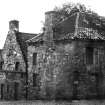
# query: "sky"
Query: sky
{"points": [[31, 13]]}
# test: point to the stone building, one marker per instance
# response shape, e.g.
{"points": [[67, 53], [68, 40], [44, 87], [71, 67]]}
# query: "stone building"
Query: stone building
{"points": [[66, 61], [13, 85]]}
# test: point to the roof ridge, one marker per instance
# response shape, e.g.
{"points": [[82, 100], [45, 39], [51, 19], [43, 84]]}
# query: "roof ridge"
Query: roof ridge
{"points": [[27, 33]]}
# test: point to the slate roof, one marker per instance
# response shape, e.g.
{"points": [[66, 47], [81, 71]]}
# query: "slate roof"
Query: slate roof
{"points": [[82, 26], [26, 36], [83, 33], [87, 26], [21, 39], [65, 27], [91, 21], [38, 37]]}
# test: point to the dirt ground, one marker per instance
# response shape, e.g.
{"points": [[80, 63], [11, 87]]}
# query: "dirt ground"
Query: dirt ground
{"points": [[38, 102]]}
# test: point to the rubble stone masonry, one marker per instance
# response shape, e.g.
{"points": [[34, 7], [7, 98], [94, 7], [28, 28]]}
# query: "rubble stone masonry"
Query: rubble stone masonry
{"points": [[63, 72]]}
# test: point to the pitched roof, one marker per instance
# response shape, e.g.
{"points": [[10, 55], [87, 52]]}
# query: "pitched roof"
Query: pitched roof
{"points": [[91, 21], [21, 39], [88, 27], [65, 27], [38, 37], [84, 33], [26, 36]]}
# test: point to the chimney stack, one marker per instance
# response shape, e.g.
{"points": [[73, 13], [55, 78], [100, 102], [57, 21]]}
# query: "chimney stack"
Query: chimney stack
{"points": [[14, 25], [50, 21]]}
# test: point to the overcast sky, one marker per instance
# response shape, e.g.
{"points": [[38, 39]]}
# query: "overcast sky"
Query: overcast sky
{"points": [[30, 13]]}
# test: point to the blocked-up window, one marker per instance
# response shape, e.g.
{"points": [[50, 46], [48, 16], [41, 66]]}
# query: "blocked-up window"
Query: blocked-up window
{"points": [[34, 58], [35, 79], [89, 55]]}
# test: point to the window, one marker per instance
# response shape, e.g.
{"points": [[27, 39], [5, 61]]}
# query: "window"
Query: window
{"points": [[1, 64], [17, 66], [22, 75], [99, 56], [34, 58], [35, 79], [89, 55], [2, 91], [96, 54], [8, 88]]}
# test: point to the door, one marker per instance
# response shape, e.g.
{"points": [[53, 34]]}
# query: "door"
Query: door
{"points": [[2, 91], [16, 86], [95, 83], [75, 84]]}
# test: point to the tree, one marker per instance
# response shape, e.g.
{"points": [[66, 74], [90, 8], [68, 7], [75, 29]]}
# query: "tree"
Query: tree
{"points": [[68, 9]]}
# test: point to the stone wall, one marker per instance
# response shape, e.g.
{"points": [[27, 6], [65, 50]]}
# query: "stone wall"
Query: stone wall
{"points": [[56, 69], [11, 55], [9, 89]]}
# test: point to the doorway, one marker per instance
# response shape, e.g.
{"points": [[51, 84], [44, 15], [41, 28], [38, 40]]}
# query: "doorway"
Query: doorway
{"points": [[2, 91], [16, 87], [75, 84]]}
